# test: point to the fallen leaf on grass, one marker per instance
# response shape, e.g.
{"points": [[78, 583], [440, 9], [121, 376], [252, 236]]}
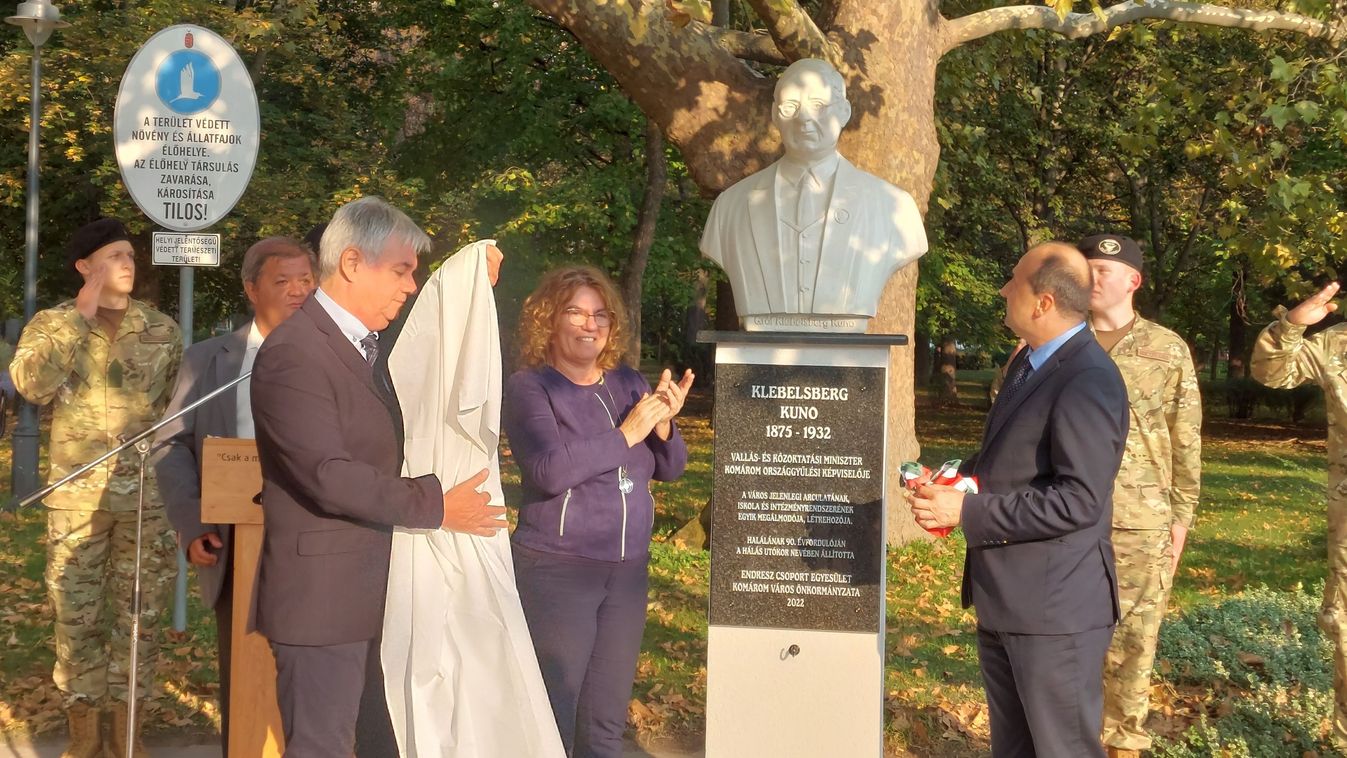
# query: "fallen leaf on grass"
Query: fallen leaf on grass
{"points": [[1249, 659]]}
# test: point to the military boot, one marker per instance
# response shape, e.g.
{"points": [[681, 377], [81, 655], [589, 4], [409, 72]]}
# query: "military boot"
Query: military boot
{"points": [[116, 747], [85, 736], [1123, 752]]}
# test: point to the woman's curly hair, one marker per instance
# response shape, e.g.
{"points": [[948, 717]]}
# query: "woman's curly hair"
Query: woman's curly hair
{"points": [[542, 309]]}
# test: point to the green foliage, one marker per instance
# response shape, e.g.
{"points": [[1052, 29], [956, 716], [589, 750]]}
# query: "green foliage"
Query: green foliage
{"points": [[545, 153], [1268, 667], [318, 87], [1262, 637], [479, 118], [1222, 152]]}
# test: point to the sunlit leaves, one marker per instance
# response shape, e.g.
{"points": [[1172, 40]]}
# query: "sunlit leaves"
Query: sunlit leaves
{"points": [[684, 12]]}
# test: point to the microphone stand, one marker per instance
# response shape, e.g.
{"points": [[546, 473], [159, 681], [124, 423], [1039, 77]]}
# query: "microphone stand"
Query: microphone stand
{"points": [[141, 442], [17, 503]]}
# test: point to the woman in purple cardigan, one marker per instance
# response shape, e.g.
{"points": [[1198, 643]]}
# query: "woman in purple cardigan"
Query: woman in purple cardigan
{"points": [[589, 435]]}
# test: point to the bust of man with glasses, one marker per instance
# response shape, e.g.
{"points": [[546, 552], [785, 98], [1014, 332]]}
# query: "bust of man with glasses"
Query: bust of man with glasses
{"points": [[809, 242]]}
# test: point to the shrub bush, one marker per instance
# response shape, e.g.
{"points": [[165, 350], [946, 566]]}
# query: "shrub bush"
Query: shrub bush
{"points": [[1267, 669]]}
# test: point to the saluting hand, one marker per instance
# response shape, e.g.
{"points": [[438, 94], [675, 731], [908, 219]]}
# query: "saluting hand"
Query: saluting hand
{"points": [[466, 510], [1313, 310], [86, 302]]}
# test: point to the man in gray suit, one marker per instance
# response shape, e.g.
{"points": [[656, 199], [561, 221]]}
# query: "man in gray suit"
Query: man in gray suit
{"points": [[329, 435], [1039, 568], [278, 274]]}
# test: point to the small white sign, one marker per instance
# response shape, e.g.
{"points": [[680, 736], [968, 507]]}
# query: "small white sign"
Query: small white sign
{"points": [[178, 249], [186, 127]]}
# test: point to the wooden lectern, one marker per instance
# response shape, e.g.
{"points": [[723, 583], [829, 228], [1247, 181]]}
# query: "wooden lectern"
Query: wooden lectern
{"points": [[230, 478]]}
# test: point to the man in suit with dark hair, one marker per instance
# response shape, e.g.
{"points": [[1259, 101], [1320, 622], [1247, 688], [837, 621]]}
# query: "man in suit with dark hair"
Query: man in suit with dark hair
{"points": [[1039, 568], [278, 273], [329, 435]]}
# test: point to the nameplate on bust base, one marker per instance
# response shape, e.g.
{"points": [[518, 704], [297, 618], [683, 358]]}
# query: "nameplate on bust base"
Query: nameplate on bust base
{"points": [[804, 322]]}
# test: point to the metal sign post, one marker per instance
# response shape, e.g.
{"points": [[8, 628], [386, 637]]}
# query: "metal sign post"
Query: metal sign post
{"points": [[187, 130]]}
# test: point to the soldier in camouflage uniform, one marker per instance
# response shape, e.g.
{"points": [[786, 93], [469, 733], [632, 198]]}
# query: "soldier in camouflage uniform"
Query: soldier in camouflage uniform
{"points": [[107, 363], [1156, 492], [1285, 357]]}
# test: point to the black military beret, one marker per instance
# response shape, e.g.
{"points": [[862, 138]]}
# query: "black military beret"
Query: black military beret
{"points": [[89, 238], [1112, 247]]}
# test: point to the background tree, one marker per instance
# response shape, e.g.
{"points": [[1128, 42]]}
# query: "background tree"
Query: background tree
{"points": [[695, 81]]}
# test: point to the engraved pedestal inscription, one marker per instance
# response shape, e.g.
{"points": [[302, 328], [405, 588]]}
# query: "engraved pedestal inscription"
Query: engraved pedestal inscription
{"points": [[797, 540], [797, 546]]}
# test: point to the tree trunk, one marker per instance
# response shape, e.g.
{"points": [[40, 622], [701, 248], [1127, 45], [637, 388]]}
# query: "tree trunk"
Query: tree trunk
{"points": [[896, 97], [656, 175], [947, 387], [727, 318], [921, 357], [1237, 368], [695, 320]]}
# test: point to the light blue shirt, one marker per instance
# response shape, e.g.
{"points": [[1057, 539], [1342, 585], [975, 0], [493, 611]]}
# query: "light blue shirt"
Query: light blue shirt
{"points": [[354, 329], [1040, 356]]}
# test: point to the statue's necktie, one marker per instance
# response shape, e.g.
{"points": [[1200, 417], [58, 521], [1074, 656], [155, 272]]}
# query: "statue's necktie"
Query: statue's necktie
{"points": [[810, 207]]}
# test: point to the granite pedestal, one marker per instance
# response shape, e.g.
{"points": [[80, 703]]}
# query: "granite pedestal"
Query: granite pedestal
{"points": [[796, 642]]}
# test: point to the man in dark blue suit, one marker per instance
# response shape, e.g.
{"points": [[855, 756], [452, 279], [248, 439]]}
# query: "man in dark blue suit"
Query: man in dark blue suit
{"points": [[1039, 568]]}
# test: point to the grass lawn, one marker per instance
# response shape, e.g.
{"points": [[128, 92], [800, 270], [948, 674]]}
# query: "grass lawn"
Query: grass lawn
{"points": [[1261, 523]]}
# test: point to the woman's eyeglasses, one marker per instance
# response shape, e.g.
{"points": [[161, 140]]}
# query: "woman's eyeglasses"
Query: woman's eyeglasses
{"points": [[577, 317]]}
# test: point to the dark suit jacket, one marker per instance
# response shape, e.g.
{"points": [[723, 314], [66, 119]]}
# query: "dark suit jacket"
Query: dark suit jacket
{"points": [[328, 437], [206, 366], [1040, 559]]}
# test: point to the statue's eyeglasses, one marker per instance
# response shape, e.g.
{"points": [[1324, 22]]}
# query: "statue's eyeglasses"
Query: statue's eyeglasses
{"points": [[791, 108]]}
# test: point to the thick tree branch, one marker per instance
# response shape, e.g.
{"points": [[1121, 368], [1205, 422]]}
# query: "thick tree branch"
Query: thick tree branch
{"points": [[795, 33], [703, 98], [1077, 25], [749, 46]]}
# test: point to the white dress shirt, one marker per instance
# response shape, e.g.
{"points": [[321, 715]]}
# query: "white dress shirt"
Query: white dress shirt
{"points": [[354, 329], [243, 395]]}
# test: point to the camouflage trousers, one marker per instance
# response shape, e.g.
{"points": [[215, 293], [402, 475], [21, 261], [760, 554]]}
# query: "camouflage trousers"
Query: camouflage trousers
{"points": [[1333, 612], [1143, 559], [90, 562]]}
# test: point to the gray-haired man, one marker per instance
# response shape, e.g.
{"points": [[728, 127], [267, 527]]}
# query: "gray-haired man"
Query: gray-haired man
{"points": [[329, 434]]}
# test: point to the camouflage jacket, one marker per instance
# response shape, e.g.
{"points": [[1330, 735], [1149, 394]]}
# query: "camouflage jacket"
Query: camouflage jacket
{"points": [[100, 389], [1161, 475], [1284, 357]]}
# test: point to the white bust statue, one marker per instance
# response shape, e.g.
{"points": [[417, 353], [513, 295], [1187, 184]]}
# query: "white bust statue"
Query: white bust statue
{"points": [[809, 242]]}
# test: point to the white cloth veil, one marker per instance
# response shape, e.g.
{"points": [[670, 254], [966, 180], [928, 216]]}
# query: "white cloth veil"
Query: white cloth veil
{"points": [[460, 673]]}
